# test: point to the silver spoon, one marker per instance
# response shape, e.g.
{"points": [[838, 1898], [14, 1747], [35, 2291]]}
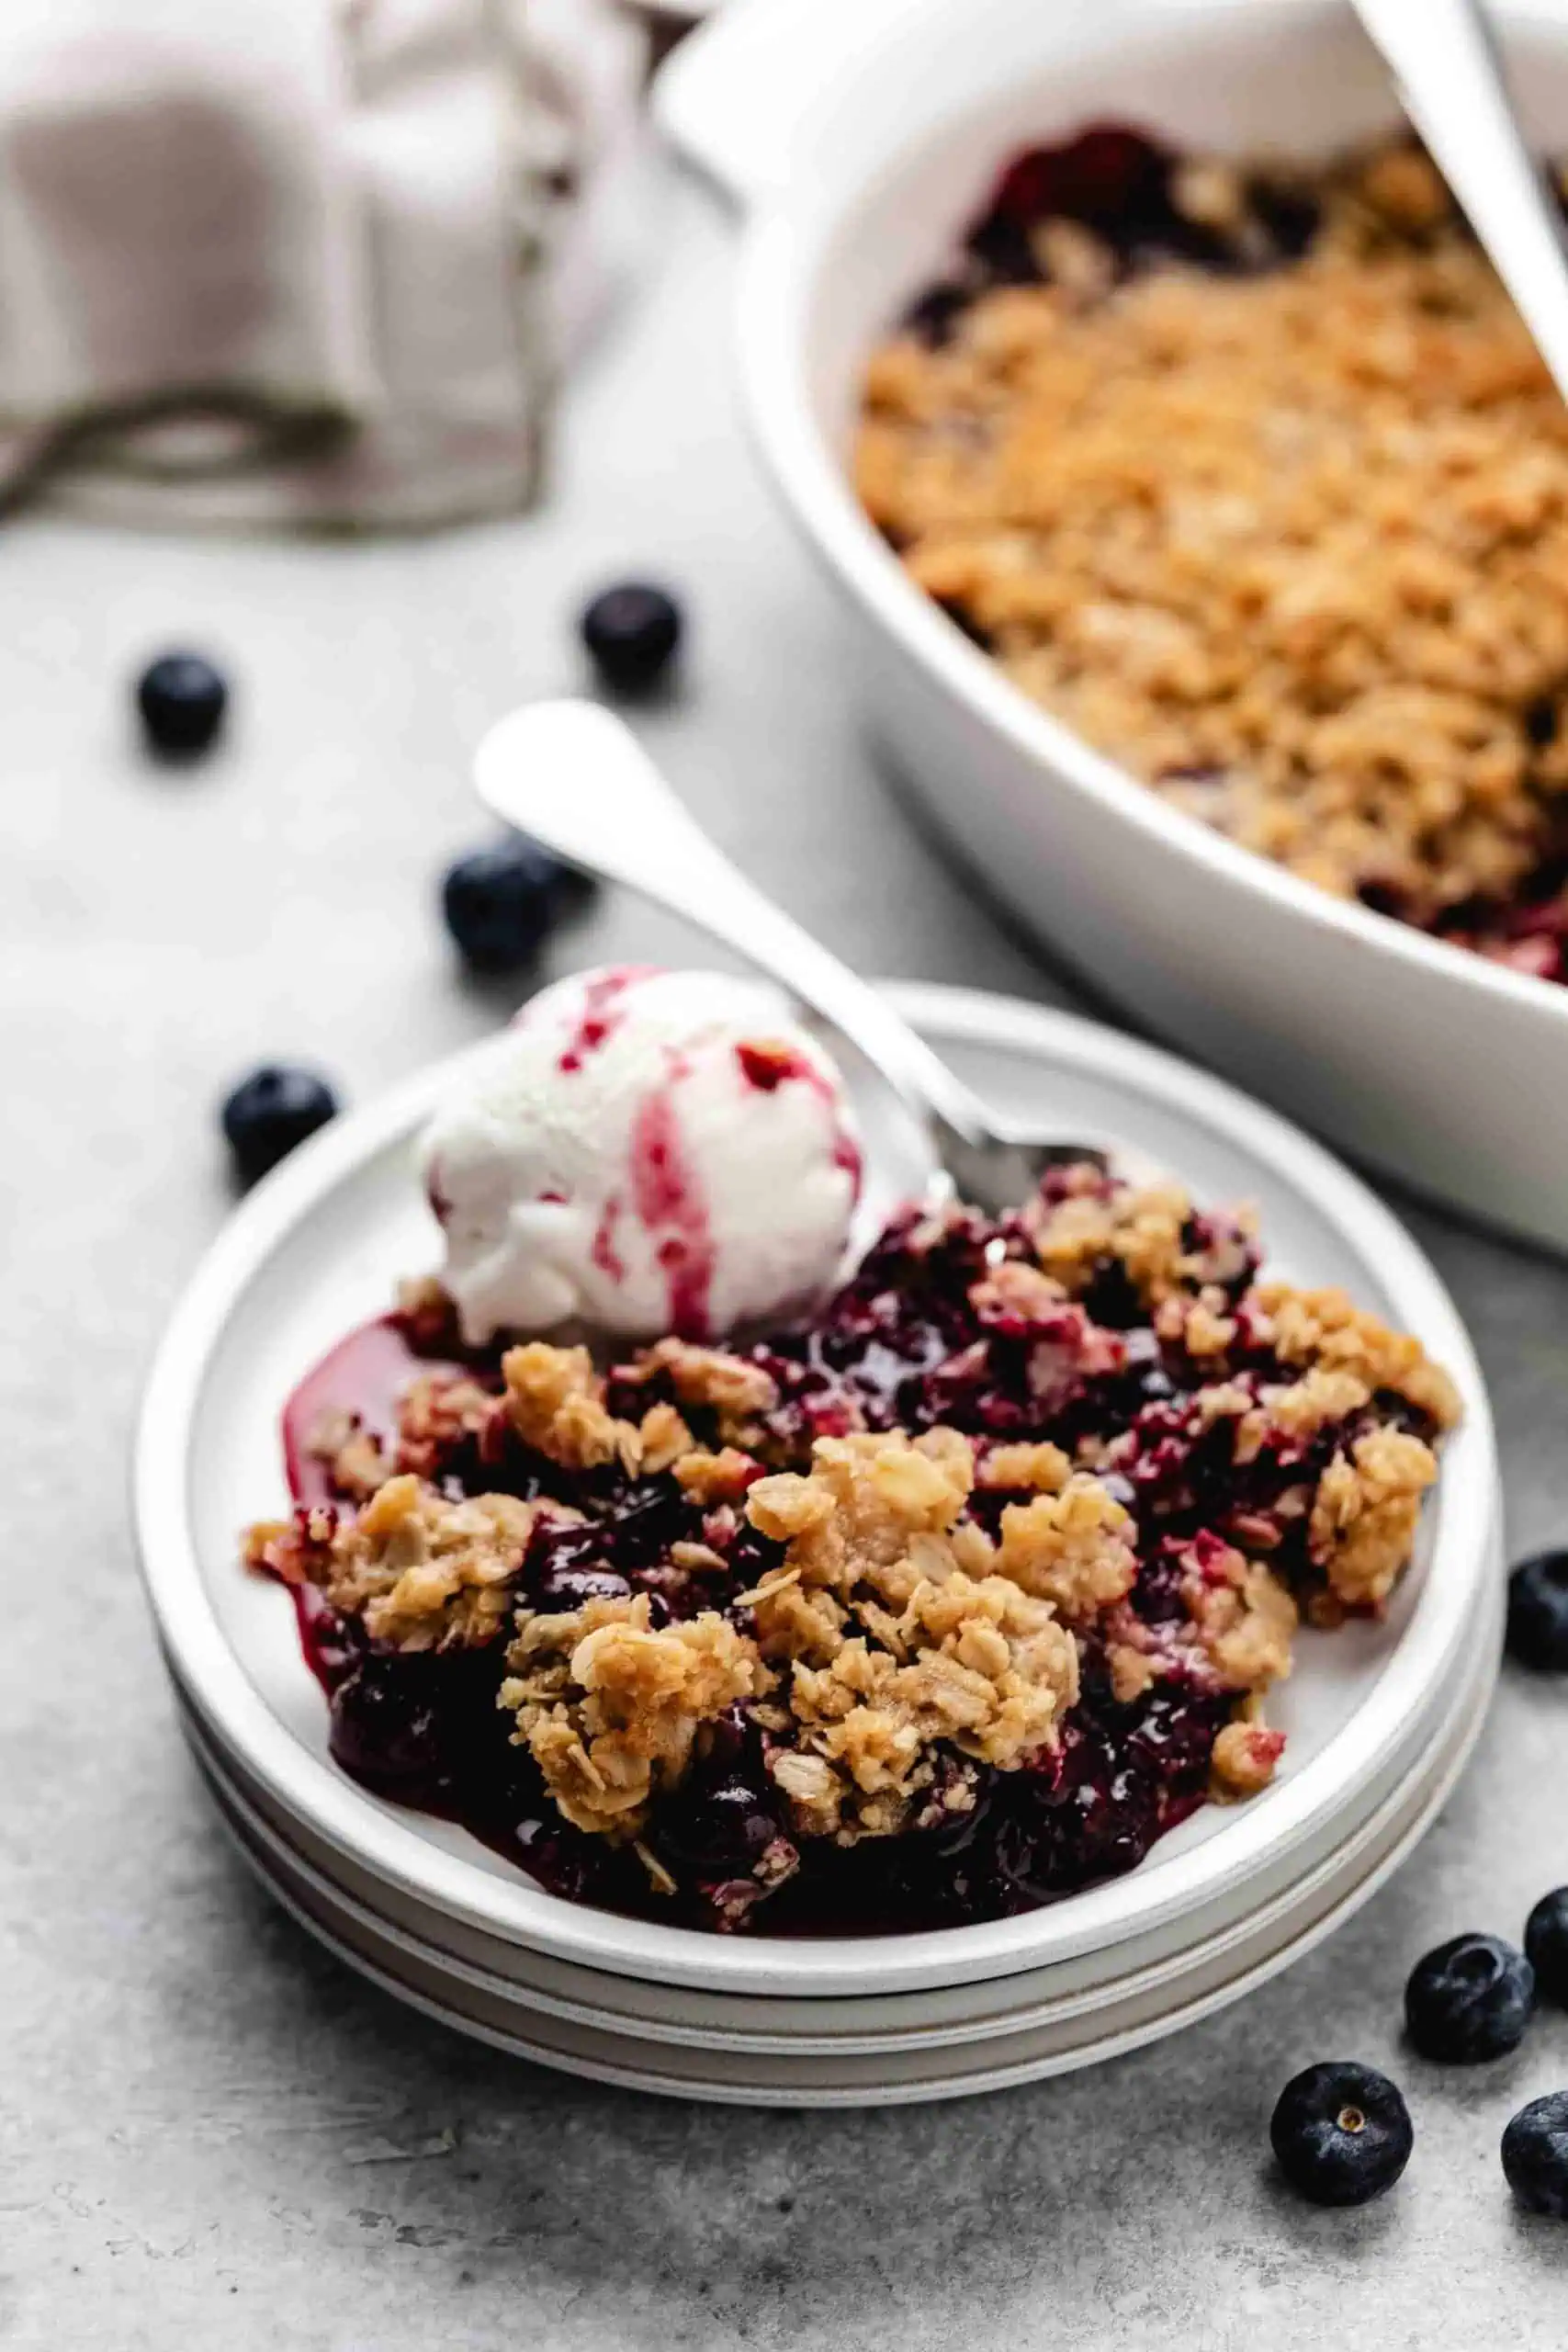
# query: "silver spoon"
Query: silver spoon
{"points": [[1445, 62], [574, 777]]}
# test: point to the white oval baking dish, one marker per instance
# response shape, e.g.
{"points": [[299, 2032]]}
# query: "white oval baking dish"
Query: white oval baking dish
{"points": [[860, 138]]}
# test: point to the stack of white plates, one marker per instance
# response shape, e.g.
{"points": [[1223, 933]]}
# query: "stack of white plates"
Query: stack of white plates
{"points": [[1380, 1717]]}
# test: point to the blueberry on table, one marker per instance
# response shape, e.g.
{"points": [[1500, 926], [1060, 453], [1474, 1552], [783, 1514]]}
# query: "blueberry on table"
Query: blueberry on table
{"points": [[1546, 1945], [1341, 2132], [501, 904], [1468, 2000], [1538, 1613], [270, 1112], [1535, 2155], [632, 632], [182, 700]]}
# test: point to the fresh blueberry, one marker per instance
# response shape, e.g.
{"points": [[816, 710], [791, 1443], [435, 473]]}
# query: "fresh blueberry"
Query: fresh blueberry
{"points": [[1468, 2000], [1538, 1613], [632, 632], [934, 318], [386, 1727], [560, 1864], [571, 1588], [270, 1112], [720, 1830], [1546, 1945], [182, 700], [501, 904], [1540, 722], [1341, 2132], [1535, 2155]]}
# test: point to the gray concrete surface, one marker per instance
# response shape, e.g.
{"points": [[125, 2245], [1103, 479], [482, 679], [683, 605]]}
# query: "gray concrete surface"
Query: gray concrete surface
{"points": [[210, 2135]]}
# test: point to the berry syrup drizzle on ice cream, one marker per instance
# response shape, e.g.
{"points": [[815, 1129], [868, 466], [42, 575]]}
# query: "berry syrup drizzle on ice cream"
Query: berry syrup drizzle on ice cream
{"points": [[709, 1582], [656, 1151], [601, 1012]]}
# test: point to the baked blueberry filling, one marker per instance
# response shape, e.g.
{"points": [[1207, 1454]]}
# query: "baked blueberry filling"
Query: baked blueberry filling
{"points": [[930, 1607]]}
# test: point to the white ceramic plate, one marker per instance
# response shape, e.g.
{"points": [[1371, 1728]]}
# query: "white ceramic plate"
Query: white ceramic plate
{"points": [[1133, 2009], [859, 144], [319, 1246]]}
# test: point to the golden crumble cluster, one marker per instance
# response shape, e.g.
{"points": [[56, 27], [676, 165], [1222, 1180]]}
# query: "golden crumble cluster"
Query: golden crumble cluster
{"points": [[1288, 538], [610, 1707], [1146, 1231], [424, 1572], [902, 1633]]}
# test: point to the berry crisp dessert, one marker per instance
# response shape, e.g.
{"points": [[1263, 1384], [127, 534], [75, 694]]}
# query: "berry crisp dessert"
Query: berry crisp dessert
{"points": [[943, 1590], [1251, 474]]}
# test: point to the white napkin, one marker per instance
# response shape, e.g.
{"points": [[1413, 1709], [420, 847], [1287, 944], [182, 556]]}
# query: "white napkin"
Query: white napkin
{"points": [[308, 261]]}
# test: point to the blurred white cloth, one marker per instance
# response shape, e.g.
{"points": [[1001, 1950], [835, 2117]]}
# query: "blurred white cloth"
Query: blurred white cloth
{"points": [[307, 261]]}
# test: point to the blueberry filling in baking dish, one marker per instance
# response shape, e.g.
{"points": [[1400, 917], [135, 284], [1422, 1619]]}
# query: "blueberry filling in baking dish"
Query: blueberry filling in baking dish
{"points": [[932, 1606], [1250, 472]]}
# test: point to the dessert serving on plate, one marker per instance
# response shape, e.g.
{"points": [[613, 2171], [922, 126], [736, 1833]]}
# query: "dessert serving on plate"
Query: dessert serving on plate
{"points": [[713, 1576], [1253, 476]]}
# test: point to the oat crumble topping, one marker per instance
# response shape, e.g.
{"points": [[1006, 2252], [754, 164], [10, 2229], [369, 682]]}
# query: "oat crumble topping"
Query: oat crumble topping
{"points": [[556, 1403], [1254, 477], [1244, 1759], [424, 1573], [436, 1413], [356, 1458], [610, 1707], [1324, 1328], [736, 1390], [906, 1633], [1363, 1519]]}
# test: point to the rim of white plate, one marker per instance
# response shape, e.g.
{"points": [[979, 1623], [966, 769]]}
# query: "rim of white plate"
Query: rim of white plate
{"points": [[1169, 1885]]}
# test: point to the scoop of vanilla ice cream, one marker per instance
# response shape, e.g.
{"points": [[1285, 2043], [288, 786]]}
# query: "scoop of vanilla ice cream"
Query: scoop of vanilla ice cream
{"points": [[648, 1152]]}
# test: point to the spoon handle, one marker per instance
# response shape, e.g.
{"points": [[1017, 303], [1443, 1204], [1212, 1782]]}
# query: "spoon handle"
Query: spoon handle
{"points": [[579, 780], [1444, 57]]}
